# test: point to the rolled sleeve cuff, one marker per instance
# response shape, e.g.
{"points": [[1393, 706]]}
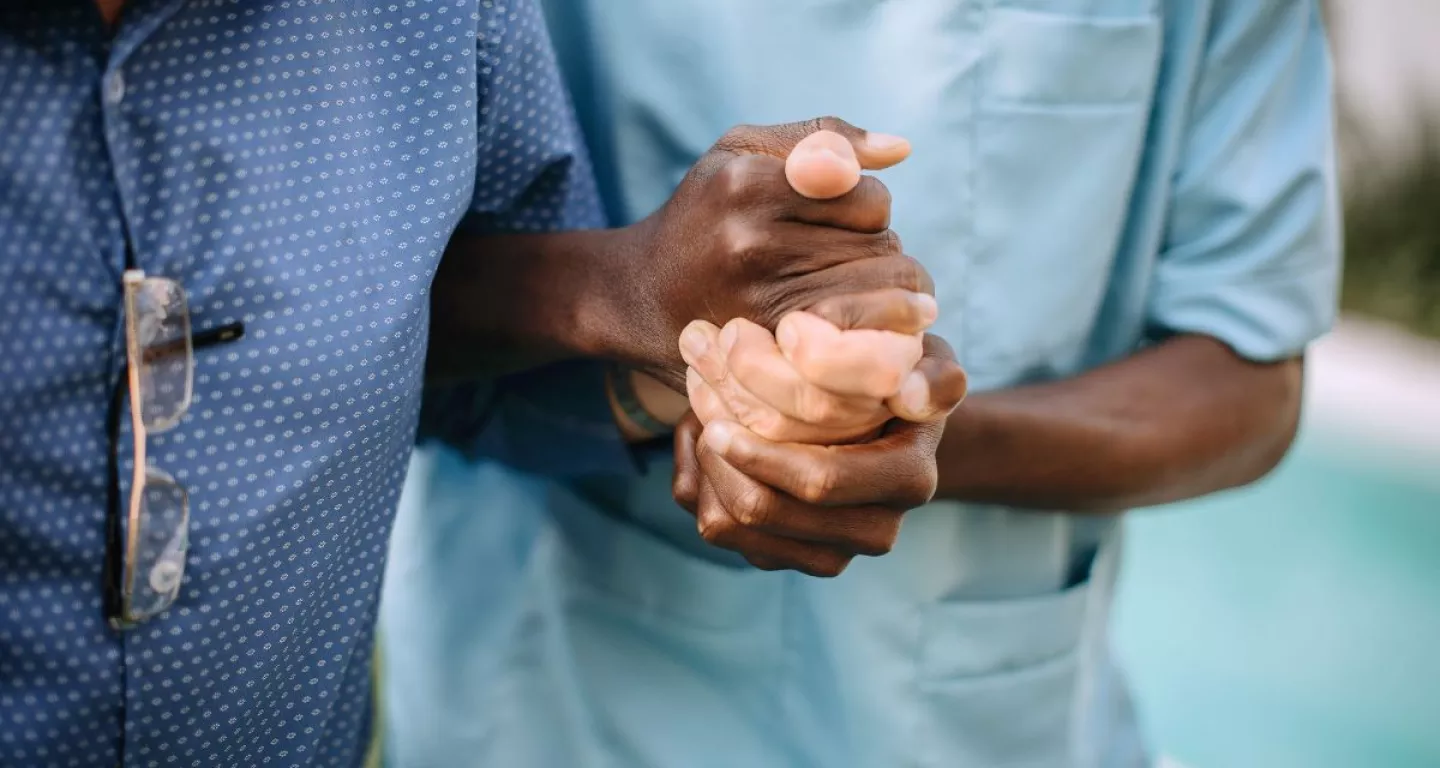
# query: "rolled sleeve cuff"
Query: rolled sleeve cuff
{"points": [[1262, 320]]}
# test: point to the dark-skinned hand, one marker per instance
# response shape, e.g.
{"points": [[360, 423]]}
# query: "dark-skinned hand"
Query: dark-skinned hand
{"points": [[736, 240], [813, 508]]}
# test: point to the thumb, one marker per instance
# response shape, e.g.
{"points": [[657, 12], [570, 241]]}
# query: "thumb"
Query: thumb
{"points": [[823, 166], [874, 151]]}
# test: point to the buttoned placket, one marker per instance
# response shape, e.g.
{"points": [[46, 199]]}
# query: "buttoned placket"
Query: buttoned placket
{"points": [[117, 94]]}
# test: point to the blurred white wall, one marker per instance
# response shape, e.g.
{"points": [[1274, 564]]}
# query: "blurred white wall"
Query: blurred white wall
{"points": [[1387, 68], [1378, 385]]}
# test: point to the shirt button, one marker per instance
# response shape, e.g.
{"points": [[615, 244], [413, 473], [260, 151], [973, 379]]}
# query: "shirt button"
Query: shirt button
{"points": [[114, 88]]}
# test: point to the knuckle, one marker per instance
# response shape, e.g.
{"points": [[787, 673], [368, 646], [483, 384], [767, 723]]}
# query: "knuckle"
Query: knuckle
{"points": [[920, 486], [736, 131], [771, 426], [739, 138], [714, 527], [740, 240], [910, 274], [826, 566], [937, 347], [683, 490], [957, 385], [743, 176], [851, 314], [841, 311], [866, 208], [817, 407], [828, 123], [881, 194], [818, 482], [879, 539], [880, 547], [887, 243], [752, 509], [750, 416]]}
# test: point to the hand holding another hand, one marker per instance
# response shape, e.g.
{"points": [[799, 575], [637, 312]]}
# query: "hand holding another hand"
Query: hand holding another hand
{"points": [[813, 508], [736, 240], [806, 451], [806, 447]]}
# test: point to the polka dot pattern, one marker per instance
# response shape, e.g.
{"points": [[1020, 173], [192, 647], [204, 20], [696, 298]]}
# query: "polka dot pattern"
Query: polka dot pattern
{"points": [[297, 165]]}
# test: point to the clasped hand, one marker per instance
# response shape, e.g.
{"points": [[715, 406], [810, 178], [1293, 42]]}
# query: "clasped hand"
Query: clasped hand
{"points": [[805, 447]]}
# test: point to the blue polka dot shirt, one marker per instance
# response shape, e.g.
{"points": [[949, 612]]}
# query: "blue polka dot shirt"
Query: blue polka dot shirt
{"points": [[297, 166]]}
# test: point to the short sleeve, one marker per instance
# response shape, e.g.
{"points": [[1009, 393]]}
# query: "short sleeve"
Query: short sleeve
{"points": [[532, 173], [1252, 248]]}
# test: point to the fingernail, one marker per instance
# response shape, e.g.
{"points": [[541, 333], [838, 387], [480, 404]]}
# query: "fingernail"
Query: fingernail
{"points": [[884, 142], [915, 394], [720, 434], [693, 343], [727, 338], [926, 307]]}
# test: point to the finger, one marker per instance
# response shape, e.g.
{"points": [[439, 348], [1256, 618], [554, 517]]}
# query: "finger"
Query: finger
{"points": [[857, 362], [874, 151], [896, 469], [860, 276], [936, 386], [890, 309], [705, 402], [762, 550], [796, 249], [866, 530], [768, 552], [750, 181], [730, 401], [864, 208], [714, 393], [755, 368], [685, 482], [700, 349]]}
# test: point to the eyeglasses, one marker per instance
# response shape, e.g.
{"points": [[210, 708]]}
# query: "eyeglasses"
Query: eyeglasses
{"points": [[144, 578]]}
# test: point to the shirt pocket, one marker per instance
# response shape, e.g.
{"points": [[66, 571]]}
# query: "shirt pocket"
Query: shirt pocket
{"points": [[1060, 128], [999, 679]]}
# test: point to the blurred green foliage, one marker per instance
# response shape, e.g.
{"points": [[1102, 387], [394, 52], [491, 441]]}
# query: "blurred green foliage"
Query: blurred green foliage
{"points": [[1392, 242]]}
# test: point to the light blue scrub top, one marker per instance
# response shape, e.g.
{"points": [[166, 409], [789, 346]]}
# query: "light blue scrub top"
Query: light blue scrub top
{"points": [[1087, 176]]}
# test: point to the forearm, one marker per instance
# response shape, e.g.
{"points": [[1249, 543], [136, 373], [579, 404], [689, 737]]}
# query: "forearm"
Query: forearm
{"points": [[1182, 419], [505, 310], [506, 303]]}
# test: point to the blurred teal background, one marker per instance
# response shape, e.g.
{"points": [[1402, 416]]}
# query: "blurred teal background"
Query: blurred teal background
{"points": [[1296, 624]]}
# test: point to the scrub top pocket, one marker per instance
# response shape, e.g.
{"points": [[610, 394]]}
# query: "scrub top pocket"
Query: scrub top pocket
{"points": [[1000, 680], [650, 633], [1064, 101]]}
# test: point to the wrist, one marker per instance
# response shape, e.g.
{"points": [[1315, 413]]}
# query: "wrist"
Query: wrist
{"points": [[630, 297], [962, 459], [504, 303], [600, 325]]}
